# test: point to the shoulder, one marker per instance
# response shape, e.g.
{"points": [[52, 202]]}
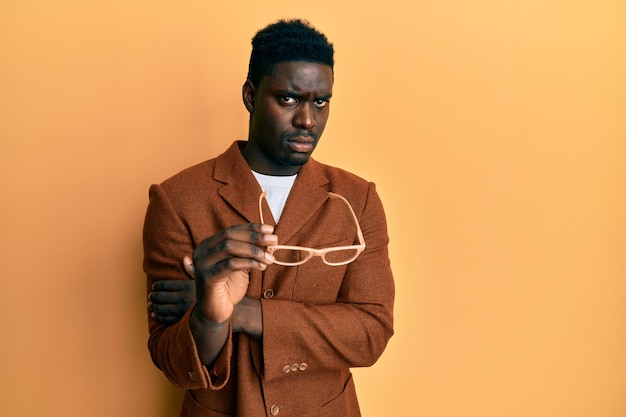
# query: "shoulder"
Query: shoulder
{"points": [[182, 192], [338, 177], [357, 190], [210, 174], [199, 175]]}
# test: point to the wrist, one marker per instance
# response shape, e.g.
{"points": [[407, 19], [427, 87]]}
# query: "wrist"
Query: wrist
{"points": [[199, 319], [247, 317]]}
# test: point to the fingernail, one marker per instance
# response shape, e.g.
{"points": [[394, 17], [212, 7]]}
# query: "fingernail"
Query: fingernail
{"points": [[267, 228], [269, 257], [187, 261]]}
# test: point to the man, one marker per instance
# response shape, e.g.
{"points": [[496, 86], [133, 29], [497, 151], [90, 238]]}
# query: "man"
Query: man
{"points": [[293, 285]]}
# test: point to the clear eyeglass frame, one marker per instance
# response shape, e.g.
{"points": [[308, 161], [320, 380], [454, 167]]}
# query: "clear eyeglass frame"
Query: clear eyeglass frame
{"points": [[309, 253]]}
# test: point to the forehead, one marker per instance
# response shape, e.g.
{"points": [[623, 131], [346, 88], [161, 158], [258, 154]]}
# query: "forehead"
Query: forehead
{"points": [[300, 77]]}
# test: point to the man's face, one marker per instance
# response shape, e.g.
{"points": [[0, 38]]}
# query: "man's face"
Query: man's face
{"points": [[289, 110]]}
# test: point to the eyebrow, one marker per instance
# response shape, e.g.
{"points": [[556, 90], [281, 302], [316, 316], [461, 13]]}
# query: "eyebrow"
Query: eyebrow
{"points": [[292, 93]]}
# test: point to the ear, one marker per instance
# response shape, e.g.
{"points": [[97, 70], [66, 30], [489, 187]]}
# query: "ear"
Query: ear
{"points": [[248, 92]]}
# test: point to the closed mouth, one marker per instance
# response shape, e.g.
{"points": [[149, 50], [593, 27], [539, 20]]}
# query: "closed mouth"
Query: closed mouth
{"points": [[301, 144], [302, 139]]}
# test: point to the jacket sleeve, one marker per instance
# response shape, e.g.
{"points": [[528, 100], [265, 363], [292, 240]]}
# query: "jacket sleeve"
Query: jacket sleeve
{"points": [[167, 240], [351, 332]]}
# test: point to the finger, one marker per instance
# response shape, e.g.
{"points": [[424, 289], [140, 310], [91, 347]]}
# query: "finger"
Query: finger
{"points": [[165, 297], [166, 309], [253, 233], [189, 268], [172, 285], [166, 319], [227, 266], [227, 249], [260, 234]]}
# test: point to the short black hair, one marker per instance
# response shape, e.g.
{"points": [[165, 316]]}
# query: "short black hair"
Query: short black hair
{"points": [[287, 41]]}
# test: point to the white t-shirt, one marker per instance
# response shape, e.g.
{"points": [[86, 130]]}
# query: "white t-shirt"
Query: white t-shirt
{"points": [[277, 189]]}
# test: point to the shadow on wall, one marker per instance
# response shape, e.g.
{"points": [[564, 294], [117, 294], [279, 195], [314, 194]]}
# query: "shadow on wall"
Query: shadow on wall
{"points": [[170, 400]]}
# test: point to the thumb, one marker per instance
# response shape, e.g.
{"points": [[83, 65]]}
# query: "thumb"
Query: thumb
{"points": [[189, 268]]}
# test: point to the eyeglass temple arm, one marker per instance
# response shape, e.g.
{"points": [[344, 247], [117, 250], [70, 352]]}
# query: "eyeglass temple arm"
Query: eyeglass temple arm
{"points": [[263, 196], [356, 220], [331, 194]]}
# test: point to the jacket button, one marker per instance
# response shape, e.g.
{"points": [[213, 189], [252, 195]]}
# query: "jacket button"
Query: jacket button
{"points": [[295, 367], [287, 369], [303, 366], [268, 293], [275, 409]]}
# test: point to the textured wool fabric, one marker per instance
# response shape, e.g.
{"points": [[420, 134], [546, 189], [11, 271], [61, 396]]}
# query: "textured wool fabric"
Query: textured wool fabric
{"points": [[318, 320]]}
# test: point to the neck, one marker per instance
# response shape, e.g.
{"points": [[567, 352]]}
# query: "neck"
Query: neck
{"points": [[264, 165]]}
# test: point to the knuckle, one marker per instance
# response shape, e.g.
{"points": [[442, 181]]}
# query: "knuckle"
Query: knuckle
{"points": [[226, 245], [214, 269], [229, 263], [197, 253], [227, 234], [206, 272]]}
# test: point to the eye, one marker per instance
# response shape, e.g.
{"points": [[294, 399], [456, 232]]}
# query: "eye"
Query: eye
{"points": [[288, 100], [320, 103]]}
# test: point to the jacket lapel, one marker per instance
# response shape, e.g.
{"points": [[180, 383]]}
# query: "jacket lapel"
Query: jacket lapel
{"points": [[306, 197], [241, 190]]}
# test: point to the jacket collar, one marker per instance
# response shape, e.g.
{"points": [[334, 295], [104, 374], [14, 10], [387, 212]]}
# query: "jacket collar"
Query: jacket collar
{"points": [[241, 190]]}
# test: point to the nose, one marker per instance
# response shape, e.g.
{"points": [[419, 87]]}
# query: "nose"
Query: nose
{"points": [[304, 118]]}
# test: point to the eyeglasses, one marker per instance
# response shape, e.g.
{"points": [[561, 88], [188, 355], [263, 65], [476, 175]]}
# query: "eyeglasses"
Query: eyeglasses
{"points": [[297, 255]]}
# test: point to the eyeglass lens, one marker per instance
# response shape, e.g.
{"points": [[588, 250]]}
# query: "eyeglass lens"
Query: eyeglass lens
{"points": [[295, 256]]}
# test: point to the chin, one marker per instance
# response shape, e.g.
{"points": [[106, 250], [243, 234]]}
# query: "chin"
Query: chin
{"points": [[298, 160]]}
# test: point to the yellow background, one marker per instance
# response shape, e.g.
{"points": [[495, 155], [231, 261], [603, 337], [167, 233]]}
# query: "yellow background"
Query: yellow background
{"points": [[495, 131]]}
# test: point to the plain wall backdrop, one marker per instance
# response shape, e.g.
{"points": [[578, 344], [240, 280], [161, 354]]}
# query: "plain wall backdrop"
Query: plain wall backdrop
{"points": [[495, 131]]}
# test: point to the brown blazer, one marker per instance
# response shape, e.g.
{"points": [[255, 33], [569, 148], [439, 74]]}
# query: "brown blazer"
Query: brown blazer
{"points": [[318, 321]]}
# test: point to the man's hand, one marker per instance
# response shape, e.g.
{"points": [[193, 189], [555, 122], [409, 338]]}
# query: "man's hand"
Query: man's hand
{"points": [[222, 264], [170, 299]]}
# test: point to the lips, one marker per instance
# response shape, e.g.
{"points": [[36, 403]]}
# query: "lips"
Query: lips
{"points": [[302, 143]]}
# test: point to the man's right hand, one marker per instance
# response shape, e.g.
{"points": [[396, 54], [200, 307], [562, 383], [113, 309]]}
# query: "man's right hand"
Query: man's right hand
{"points": [[222, 264]]}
